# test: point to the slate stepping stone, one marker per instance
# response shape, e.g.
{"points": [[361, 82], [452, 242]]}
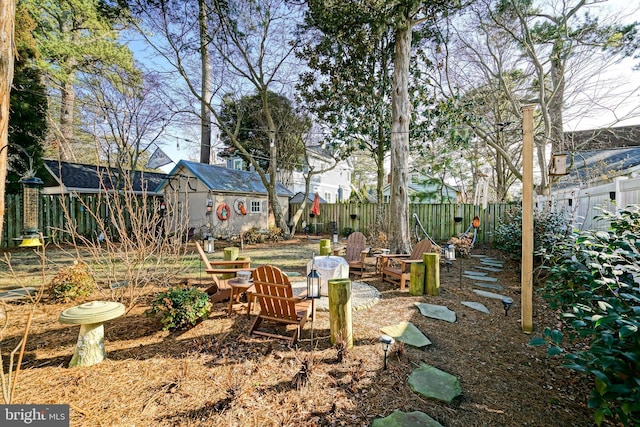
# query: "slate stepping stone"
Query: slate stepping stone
{"points": [[493, 264], [474, 273], [439, 312], [493, 286], [478, 256], [489, 294], [491, 269], [476, 306], [17, 294], [406, 419], [432, 383], [483, 278], [408, 333]]}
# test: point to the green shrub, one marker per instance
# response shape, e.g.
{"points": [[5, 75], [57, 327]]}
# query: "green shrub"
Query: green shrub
{"points": [[180, 308], [347, 231], [549, 228], [71, 283], [595, 283]]}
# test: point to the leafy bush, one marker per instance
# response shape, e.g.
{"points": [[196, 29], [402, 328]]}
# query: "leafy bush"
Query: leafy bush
{"points": [[71, 283], [596, 284], [180, 308], [254, 235], [347, 231], [549, 228]]}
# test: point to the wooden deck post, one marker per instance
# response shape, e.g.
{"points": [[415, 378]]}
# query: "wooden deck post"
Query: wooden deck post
{"points": [[340, 312], [527, 219], [432, 273], [416, 281]]}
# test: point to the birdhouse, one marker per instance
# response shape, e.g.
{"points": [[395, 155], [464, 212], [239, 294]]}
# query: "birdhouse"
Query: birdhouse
{"points": [[558, 164]]}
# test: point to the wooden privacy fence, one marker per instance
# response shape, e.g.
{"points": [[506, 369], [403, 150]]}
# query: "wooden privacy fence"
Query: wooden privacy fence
{"points": [[438, 220], [52, 217], [57, 214]]}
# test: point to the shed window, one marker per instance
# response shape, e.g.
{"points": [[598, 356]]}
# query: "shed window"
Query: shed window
{"points": [[256, 206]]}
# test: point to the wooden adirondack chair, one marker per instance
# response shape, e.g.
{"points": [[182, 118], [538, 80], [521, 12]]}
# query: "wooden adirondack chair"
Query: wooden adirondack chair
{"points": [[356, 253], [220, 289], [278, 305], [396, 268], [265, 273]]}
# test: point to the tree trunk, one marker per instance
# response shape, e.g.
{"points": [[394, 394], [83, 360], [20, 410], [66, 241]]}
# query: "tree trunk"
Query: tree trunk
{"points": [[399, 239], [7, 46], [67, 101], [205, 113]]}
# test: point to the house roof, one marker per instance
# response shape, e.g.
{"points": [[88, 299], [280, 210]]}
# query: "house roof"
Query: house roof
{"points": [[82, 178], [597, 165], [225, 180], [299, 197], [594, 139]]}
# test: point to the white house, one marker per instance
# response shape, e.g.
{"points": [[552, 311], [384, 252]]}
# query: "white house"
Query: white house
{"points": [[333, 186]]}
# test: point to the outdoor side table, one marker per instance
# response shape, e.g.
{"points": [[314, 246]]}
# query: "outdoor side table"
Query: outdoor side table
{"points": [[90, 316], [238, 289]]}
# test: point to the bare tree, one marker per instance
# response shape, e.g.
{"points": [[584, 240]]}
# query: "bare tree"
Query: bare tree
{"points": [[7, 48], [128, 115], [556, 53], [252, 45]]}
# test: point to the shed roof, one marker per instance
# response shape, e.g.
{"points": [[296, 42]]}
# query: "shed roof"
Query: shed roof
{"points": [[83, 178], [225, 180], [299, 197]]}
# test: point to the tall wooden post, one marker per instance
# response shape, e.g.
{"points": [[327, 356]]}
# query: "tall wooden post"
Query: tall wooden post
{"points": [[340, 312], [416, 280], [432, 274], [527, 219]]}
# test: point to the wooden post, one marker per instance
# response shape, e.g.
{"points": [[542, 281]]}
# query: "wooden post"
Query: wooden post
{"points": [[527, 219], [325, 247], [340, 312], [416, 281], [432, 273], [230, 254]]}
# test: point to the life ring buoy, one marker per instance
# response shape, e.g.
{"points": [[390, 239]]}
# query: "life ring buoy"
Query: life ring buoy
{"points": [[240, 206], [223, 212]]}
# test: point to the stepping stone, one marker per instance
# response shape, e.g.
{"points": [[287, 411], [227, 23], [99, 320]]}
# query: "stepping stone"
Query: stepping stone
{"points": [[492, 263], [439, 312], [474, 273], [483, 278], [432, 383], [489, 294], [406, 419], [18, 293], [478, 256], [292, 273], [493, 286], [407, 333], [476, 306], [492, 269]]}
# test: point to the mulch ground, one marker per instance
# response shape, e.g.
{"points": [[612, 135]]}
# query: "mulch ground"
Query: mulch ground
{"points": [[215, 374]]}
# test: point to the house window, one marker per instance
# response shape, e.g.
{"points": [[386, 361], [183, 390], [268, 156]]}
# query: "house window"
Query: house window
{"points": [[327, 197], [256, 206], [237, 164]]}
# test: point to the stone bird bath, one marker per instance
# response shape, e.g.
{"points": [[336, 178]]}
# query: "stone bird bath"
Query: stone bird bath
{"points": [[90, 316]]}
